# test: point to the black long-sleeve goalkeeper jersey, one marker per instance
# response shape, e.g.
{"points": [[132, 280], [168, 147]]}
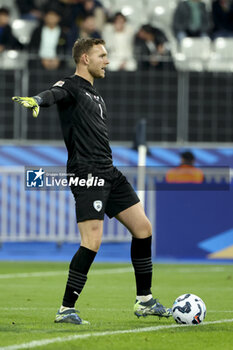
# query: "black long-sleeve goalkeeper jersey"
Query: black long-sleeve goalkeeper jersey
{"points": [[82, 113]]}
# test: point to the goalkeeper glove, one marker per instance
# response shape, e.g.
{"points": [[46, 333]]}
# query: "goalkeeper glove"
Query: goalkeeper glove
{"points": [[28, 102]]}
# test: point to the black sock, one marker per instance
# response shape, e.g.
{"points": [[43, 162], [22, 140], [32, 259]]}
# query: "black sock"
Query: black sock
{"points": [[142, 263], [79, 267]]}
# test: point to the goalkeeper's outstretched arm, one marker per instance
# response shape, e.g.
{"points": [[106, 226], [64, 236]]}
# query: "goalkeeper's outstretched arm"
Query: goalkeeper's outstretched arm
{"points": [[44, 99]]}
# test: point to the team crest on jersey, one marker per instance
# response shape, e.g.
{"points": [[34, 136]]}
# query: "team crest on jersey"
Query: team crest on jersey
{"points": [[97, 205], [59, 83]]}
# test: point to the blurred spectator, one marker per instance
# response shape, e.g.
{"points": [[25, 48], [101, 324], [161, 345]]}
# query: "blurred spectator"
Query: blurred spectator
{"points": [[85, 28], [149, 43], [35, 9], [222, 12], [31, 9], [186, 172], [12, 8], [72, 11], [49, 40], [7, 40], [119, 37], [190, 19], [75, 10], [94, 8]]}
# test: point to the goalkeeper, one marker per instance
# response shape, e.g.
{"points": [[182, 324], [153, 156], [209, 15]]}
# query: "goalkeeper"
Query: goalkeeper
{"points": [[83, 119]]}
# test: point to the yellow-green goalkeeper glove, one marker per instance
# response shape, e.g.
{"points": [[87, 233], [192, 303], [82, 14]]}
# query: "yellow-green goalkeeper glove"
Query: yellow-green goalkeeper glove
{"points": [[28, 102]]}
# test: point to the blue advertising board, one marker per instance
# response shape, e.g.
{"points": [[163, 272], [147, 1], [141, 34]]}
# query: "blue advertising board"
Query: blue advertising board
{"points": [[194, 223]]}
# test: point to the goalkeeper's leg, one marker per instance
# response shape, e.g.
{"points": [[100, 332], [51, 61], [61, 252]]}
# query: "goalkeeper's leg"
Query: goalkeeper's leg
{"points": [[91, 233], [135, 220]]}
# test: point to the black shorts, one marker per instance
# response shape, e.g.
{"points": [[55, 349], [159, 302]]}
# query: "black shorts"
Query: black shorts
{"points": [[99, 193]]}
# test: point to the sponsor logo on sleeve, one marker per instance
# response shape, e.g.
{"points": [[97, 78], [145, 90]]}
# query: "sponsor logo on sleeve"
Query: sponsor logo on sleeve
{"points": [[59, 83]]}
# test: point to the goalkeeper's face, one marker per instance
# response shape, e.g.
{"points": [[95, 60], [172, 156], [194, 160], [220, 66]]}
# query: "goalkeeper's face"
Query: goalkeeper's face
{"points": [[97, 61]]}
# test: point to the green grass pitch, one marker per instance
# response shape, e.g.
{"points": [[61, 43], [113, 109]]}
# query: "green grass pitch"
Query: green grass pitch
{"points": [[31, 293]]}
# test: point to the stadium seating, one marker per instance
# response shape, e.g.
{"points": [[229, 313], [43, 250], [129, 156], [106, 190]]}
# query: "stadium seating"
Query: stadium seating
{"points": [[221, 59], [10, 59], [160, 12], [208, 4], [194, 54], [107, 4], [22, 29], [135, 11]]}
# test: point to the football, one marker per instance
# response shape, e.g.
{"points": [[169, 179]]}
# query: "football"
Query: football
{"points": [[189, 309]]}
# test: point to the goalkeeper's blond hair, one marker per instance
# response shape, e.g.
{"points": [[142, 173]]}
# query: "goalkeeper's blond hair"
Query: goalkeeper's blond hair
{"points": [[82, 46]]}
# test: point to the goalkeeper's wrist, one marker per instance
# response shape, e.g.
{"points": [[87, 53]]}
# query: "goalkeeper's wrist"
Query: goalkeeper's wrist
{"points": [[38, 100]]}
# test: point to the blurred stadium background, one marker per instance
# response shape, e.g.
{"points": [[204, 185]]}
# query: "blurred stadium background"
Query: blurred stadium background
{"points": [[188, 105]]}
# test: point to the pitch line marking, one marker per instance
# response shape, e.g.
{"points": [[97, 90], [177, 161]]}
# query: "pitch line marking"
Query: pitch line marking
{"points": [[37, 343], [31, 274], [94, 272], [63, 272]]}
